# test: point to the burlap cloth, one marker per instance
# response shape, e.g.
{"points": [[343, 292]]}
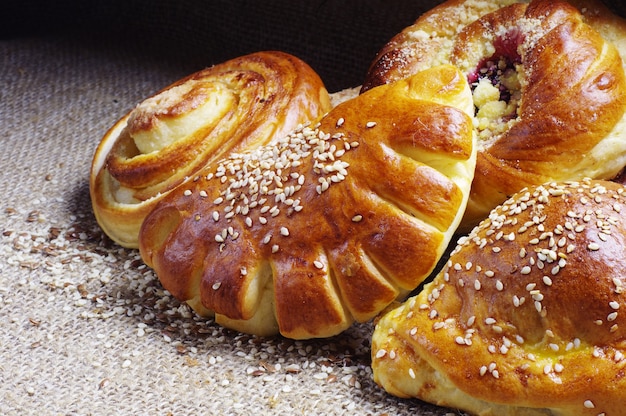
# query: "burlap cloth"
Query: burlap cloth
{"points": [[85, 329]]}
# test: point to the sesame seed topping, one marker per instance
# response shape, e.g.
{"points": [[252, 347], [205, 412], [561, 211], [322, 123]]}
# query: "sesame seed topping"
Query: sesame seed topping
{"points": [[589, 404], [187, 192], [284, 231], [370, 124], [216, 285], [593, 246], [357, 218]]}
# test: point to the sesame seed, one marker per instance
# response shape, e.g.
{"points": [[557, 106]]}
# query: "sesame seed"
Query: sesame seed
{"points": [[593, 246], [370, 124], [340, 122], [614, 305], [357, 218], [284, 231], [589, 404], [381, 353], [187, 192], [318, 264], [216, 285]]}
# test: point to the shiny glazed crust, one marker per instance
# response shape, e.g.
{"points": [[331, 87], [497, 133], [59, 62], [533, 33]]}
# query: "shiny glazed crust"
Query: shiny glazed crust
{"points": [[239, 104], [527, 317], [327, 225], [563, 115]]}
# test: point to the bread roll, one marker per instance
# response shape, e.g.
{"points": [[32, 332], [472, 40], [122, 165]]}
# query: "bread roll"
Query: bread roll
{"points": [[527, 317], [236, 105], [548, 85], [327, 225]]}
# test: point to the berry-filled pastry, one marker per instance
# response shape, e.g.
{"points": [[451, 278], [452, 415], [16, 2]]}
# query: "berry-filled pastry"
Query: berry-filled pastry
{"points": [[548, 84]]}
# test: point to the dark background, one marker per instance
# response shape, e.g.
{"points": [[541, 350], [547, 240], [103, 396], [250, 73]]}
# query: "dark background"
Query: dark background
{"points": [[338, 38]]}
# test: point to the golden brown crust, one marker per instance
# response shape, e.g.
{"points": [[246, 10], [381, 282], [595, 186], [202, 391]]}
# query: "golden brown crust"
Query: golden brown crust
{"points": [[565, 109], [527, 315], [329, 224], [232, 106]]}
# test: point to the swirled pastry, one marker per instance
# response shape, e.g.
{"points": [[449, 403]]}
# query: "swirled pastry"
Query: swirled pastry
{"points": [[239, 104], [548, 85], [328, 224], [527, 317]]}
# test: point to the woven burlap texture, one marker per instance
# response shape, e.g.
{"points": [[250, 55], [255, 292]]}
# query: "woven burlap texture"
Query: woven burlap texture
{"points": [[86, 328]]}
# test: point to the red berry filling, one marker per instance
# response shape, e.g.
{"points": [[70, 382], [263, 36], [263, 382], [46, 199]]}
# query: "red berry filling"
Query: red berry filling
{"points": [[502, 62]]}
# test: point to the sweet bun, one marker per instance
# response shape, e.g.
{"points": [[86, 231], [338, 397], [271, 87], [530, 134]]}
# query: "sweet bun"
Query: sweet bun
{"points": [[527, 317], [548, 85], [328, 224], [239, 104]]}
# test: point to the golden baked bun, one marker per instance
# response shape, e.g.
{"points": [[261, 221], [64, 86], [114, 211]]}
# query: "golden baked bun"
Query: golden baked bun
{"points": [[327, 225], [548, 85], [527, 317], [236, 105]]}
